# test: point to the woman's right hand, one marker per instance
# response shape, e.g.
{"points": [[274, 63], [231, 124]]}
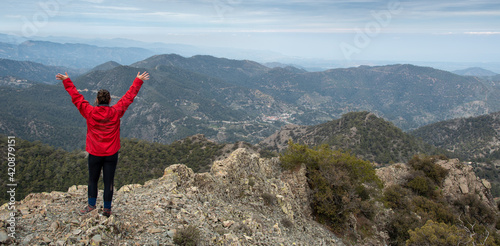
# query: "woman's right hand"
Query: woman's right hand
{"points": [[62, 77]]}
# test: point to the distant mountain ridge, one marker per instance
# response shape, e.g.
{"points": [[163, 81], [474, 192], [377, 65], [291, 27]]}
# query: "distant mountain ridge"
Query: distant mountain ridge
{"points": [[106, 66], [33, 71], [407, 95], [72, 55], [475, 71], [232, 71]]}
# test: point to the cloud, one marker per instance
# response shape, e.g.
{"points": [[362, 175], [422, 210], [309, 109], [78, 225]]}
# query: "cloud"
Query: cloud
{"points": [[118, 8], [93, 1], [482, 33], [172, 14]]}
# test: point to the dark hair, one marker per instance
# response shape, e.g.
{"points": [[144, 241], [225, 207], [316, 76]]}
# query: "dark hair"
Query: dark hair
{"points": [[103, 97]]}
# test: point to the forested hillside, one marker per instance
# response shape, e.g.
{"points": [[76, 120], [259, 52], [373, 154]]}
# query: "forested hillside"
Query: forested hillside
{"points": [[472, 138], [363, 133]]}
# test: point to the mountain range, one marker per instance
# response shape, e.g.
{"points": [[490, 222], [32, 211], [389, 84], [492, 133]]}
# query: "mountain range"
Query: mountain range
{"points": [[475, 71], [410, 96], [71, 55], [235, 100]]}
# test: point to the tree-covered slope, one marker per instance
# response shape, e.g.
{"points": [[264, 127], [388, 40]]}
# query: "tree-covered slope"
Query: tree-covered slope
{"points": [[363, 133], [469, 138]]}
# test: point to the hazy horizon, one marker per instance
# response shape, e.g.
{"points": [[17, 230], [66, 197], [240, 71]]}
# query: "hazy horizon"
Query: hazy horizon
{"points": [[454, 31]]}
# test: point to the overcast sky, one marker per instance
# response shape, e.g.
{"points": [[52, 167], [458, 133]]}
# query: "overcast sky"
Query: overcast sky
{"points": [[465, 31]]}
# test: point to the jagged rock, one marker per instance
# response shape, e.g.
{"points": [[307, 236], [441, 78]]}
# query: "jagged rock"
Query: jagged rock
{"points": [[226, 205], [460, 180], [178, 174], [393, 174], [469, 183], [129, 188], [76, 189]]}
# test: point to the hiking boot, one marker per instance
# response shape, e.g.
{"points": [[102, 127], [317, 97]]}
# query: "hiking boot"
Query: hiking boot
{"points": [[106, 212], [87, 209]]}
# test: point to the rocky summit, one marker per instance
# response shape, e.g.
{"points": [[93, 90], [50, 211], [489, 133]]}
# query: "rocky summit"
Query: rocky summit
{"points": [[243, 200]]}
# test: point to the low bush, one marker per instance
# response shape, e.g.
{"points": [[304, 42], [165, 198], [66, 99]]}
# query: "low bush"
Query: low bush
{"points": [[188, 236], [398, 227], [422, 186], [433, 210], [396, 197], [427, 164], [269, 199], [433, 233], [339, 181]]}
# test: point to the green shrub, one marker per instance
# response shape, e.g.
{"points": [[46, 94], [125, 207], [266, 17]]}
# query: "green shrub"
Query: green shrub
{"points": [[363, 192], [395, 197], [368, 209], [339, 182], [433, 210], [188, 236], [433, 233], [295, 156], [427, 164], [398, 227], [422, 185]]}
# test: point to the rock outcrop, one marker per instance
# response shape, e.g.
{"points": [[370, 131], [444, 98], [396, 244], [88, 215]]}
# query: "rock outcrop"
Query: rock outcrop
{"points": [[461, 180], [243, 200]]}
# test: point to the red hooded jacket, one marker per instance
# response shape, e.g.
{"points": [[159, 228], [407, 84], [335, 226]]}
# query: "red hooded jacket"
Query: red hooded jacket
{"points": [[103, 122]]}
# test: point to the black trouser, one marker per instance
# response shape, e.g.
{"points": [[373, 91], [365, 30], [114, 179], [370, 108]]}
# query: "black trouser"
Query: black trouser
{"points": [[108, 166]]}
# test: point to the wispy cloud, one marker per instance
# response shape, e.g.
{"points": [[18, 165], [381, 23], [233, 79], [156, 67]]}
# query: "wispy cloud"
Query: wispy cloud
{"points": [[118, 8], [482, 33], [172, 14]]}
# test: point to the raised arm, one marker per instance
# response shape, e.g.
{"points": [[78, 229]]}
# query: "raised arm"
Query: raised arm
{"points": [[78, 100], [128, 98]]}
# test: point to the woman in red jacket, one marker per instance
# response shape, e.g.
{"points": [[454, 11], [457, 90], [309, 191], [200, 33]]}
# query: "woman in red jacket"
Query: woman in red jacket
{"points": [[103, 135]]}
